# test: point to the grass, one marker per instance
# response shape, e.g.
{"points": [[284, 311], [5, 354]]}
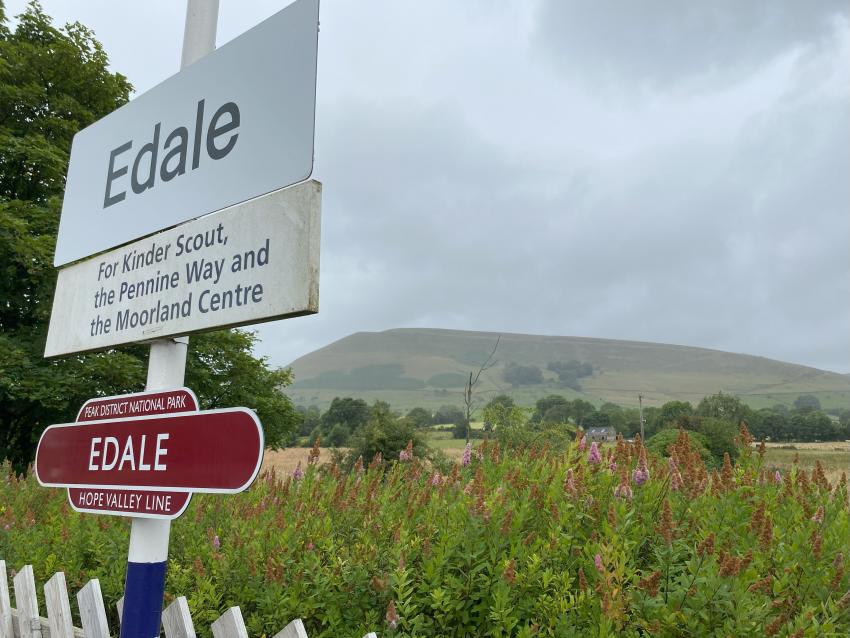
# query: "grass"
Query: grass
{"points": [[444, 441], [834, 456]]}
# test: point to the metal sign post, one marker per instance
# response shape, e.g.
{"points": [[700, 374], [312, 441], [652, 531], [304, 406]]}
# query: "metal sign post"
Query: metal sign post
{"points": [[144, 587]]}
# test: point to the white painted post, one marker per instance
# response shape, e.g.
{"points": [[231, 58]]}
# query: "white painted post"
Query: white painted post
{"points": [[148, 555], [58, 607], [6, 629], [230, 625], [199, 33], [26, 604], [92, 611]]}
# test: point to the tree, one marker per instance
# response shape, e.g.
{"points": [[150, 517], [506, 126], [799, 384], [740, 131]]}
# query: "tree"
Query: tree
{"points": [[348, 411], [724, 406], [420, 417], [843, 430], [52, 83], [387, 434], [546, 403], [558, 413], [768, 424], [505, 417], [311, 418], [517, 375], [448, 414], [616, 415], [673, 411], [569, 372], [807, 403], [719, 436], [596, 419], [580, 409]]}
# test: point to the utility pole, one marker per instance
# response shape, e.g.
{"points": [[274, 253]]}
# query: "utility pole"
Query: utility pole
{"points": [[640, 408]]}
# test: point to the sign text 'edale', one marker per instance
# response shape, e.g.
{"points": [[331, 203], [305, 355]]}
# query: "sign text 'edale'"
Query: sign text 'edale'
{"points": [[208, 451], [225, 120]]}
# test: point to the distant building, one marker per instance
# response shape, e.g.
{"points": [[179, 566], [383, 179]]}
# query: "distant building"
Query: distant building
{"points": [[601, 434]]}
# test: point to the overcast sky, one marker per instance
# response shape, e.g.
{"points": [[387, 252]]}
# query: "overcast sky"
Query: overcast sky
{"points": [[657, 171]]}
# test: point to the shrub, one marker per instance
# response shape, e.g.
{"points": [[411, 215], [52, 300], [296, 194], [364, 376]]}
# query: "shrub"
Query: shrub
{"points": [[517, 374], [338, 435], [448, 414], [661, 443]]}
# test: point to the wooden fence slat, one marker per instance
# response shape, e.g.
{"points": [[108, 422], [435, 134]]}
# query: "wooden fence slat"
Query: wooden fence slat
{"points": [[295, 629], [92, 611], [6, 630], [177, 620], [120, 607], [230, 625], [26, 603], [58, 607]]}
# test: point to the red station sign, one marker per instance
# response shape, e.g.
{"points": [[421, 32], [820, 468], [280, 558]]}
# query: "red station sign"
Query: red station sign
{"points": [[143, 454], [134, 502]]}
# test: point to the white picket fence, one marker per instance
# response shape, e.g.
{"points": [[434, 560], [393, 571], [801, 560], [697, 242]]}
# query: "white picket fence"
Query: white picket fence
{"points": [[24, 621]]}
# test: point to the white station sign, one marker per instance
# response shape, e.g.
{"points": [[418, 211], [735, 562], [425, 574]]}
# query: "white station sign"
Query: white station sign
{"points": [[236, 124], [256, 261]]}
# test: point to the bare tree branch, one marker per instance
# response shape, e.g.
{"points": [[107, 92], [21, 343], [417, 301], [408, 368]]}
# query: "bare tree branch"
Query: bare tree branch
{"points": [[472, 382]]}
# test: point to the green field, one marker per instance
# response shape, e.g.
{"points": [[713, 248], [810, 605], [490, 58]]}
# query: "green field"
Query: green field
{"points": [[424, 367], [835, 457]]}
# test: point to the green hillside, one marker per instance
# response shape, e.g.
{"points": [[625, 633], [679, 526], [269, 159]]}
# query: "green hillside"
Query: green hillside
{"points": [[427, 367]]}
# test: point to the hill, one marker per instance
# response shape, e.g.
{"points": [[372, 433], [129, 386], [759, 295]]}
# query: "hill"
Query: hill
{"points": [[428, 367]]}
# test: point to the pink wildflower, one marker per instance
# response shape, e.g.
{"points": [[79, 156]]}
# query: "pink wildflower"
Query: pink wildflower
{"points": [[582, 442], [436, 479], [310, 546], [612, 466], [407, 453], [675, 475], [466, 459], [392, 615], [569, 482], [624, 491], [641, 473], [216, 543], [593, 456], [597, 560], [298, 473], [817, 517], [640, 476], [777, 477]]}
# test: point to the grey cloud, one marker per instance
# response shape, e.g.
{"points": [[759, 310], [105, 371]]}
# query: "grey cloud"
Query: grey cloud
{"points": [[691, 187], [658, 43]]}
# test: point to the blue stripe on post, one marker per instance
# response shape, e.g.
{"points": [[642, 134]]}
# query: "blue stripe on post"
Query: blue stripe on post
{"points": [[143, 594]]}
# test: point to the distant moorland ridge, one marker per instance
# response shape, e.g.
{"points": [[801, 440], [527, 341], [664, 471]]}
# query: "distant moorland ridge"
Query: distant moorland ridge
{"points": [[428, 367]]}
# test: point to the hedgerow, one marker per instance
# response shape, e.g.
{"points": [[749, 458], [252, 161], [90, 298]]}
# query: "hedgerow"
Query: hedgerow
{"points": [[518, 542]]}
